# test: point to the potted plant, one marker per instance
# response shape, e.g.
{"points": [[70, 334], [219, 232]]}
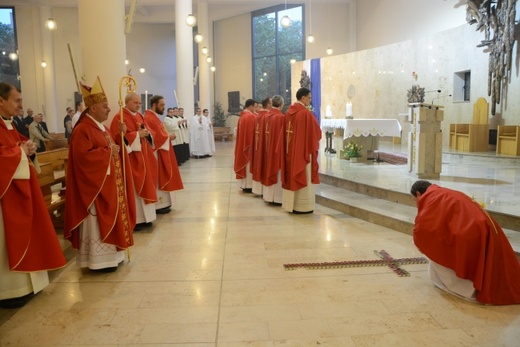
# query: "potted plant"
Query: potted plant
{"points": [[352, 151], [219, 117]]}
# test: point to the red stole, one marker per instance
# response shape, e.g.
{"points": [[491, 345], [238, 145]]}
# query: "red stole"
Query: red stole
{"points": [[169, 175], [88, 183], [273, 130], [454, 231], [302, 135], [32, 244], [244, 142], [143, 163]]}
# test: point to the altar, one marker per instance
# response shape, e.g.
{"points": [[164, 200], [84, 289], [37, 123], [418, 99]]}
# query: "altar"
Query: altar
{"points": [[367, 131]]}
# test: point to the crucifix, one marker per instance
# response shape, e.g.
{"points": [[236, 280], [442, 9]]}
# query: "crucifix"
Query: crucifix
{"points": [[289, 132], [386, 260]]}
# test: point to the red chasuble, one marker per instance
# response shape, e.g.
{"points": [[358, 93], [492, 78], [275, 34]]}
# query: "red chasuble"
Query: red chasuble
{"points": [[244, 143], [142, 163], [302, 135], [454, 231], [169, 175], [273, 130], [32, 244], [89, 184], [256, 168]]}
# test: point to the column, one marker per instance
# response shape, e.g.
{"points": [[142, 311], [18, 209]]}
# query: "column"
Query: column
{"points": [[184, 51], [103, 46], [50, 106], [204, 67]]}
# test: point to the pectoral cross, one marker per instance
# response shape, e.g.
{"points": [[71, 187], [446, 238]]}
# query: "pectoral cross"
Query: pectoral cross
{"points": [[289, 132], [257, 135]]}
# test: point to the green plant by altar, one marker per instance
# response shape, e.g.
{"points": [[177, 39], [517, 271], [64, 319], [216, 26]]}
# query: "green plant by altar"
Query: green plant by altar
{"points": [[352, 150]]}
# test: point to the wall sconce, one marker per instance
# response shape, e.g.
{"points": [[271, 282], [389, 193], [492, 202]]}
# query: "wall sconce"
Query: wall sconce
{"points": [[191, 20], [204, 50], [208, 59], [213, 69], [198, 38], [44, 64], [142, 70], [50, 24]]}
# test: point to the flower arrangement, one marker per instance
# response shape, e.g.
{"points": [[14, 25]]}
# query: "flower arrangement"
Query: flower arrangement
{"points": [[352, 150]]}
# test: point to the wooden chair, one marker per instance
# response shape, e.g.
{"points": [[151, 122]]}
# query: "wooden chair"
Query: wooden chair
{"points": [[508, 140], [472, 137]]}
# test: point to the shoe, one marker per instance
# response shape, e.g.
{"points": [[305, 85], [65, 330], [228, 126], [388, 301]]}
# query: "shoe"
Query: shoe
{"points": [[142, 226], [105, 269], [247, 190], [275, 203], [16, 302], [163, 210], [302, 212]]}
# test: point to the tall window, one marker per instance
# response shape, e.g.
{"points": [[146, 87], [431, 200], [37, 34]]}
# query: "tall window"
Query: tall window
{"points": [[9, 69], [273, 49]]}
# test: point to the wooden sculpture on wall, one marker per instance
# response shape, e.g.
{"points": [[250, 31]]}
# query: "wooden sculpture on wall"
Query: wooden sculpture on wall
{"points": [[497, 18]]}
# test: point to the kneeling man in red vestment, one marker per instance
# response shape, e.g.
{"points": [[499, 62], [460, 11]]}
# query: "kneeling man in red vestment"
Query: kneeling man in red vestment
{"points": [[470, 256]]}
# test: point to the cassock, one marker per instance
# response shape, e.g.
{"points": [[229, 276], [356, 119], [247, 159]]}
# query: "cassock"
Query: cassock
{"points": [[257, 153], [100, 210], [142, 162], [169, 178], [28, 242], [454, 231], [185, 132], [210, 135], [243, 147], [171, 124], [273, 156], [302, 134]]}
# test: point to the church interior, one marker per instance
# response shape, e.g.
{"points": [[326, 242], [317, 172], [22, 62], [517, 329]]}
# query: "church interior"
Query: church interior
{"points": [[212, 272]]}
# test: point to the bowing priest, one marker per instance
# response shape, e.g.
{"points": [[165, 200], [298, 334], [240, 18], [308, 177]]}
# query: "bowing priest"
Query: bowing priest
{"points": [[470, 256], [302, 135], [142, 161], [244, 146], [169, 178], [273, 132], [100, 210], [29, 246]]}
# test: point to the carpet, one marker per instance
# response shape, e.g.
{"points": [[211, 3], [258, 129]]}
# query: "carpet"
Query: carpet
{"points": [[393, 158]]}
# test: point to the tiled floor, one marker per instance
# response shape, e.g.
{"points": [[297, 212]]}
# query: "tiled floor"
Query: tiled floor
{"points": [[211, 274]]}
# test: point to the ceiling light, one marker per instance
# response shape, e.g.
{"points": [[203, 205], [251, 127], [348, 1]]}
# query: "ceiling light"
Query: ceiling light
{"points": [[198, 38], [213, 68], [142, 70], [204, 50], [285, 22], [51, 24], [191, 20], [329, 51], [44, 64]]}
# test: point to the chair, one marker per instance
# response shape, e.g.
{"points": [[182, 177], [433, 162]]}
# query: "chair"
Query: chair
{"points": [[472, 137]]}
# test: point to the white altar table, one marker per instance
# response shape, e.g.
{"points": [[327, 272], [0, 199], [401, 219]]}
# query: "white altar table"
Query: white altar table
{"points": [[368, 131], [364, 127]]}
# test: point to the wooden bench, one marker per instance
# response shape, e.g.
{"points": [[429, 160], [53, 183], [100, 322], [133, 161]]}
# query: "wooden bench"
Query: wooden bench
{"points": [[222, 133], [508, 140], [56, 144], [55, 201], [55, 156]]}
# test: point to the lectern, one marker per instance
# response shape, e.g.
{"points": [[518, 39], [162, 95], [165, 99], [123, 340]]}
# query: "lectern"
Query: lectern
{"points": [[425, 140]]}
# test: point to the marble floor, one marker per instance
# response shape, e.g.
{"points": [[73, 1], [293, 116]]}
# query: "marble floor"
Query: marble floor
{"points": [[211, 273]]}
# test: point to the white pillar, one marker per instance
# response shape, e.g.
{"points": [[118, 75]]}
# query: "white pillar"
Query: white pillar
{"points": [[50, 107], [184, 51], [103, 46], [204, 67]]}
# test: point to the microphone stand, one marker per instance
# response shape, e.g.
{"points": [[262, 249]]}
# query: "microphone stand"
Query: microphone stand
{"points": [[441, 97]]}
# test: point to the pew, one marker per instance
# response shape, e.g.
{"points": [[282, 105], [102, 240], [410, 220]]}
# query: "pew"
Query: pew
{"points": [[222, 133], [56, 144], [55, 157], [55, 201]]}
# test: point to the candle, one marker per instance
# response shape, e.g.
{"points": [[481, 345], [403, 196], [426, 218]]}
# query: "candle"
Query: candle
{"points": [[145, 100], [328, 112], [349, 109]]}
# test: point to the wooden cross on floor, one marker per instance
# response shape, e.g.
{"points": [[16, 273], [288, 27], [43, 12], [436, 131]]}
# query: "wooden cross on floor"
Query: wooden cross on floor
{"points": [[386, 260]]}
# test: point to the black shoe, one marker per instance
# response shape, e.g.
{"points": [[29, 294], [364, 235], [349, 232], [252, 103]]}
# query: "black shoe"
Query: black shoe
{"points": [[302, 212], [16, 302], [247, 190], [142, 226], [275, 203], [163, 210], [105, 269]]}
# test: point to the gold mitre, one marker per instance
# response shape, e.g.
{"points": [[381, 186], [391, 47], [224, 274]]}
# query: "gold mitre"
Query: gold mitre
{"points": [[93, 95]]}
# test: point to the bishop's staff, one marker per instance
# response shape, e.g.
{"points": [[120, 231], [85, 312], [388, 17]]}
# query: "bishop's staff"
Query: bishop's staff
{"points": [[130, 84]]}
